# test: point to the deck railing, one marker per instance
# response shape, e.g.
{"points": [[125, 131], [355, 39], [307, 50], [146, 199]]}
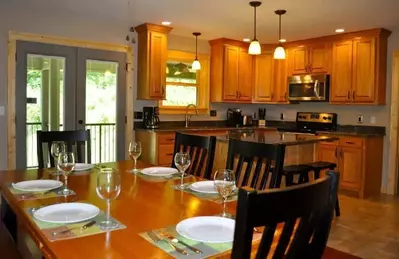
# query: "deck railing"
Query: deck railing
{"points": [[103, 142]]}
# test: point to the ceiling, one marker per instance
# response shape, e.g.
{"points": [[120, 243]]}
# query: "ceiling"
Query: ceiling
{"points": [[234, 18]]}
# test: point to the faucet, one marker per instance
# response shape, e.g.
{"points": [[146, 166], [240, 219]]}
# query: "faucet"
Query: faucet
{"points": [[188, 116]]}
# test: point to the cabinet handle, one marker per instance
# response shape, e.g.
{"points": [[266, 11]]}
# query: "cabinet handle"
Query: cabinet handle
{"points": [[350, 142], [171, 139], [336, 151], [341, 153], [239, 94], [163, 90], [285, 96], [310, 68], [353, 94], [349, 94], [236, 95], [272, 96], [170, 154]]}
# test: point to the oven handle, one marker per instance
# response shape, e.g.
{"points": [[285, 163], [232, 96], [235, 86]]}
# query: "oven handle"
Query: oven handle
{"points": [[316, 89]]}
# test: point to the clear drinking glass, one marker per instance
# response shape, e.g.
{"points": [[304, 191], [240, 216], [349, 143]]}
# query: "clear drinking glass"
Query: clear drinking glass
{"points": [[225, 183], [108, 189], [182, 162], [135, 152], [56, 148], [66, 164]]}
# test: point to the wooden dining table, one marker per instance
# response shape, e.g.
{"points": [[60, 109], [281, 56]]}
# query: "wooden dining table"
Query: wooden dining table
{"points": [[141, 206]]}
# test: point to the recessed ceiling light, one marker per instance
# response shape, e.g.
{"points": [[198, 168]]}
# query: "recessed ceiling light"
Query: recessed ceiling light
{"points": [[339, 30], [282, 40], [166, 23], [246, 40]]}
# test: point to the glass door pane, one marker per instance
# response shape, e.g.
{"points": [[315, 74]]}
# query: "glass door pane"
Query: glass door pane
{"points": [[44, 99], [101, 91]]}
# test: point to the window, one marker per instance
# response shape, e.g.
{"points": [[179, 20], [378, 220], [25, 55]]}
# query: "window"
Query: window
{"points": [[184, 85]]}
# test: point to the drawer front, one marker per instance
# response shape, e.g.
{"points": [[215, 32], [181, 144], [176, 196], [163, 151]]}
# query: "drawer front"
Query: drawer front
{"points": [[351, 142], [166, 138], [165, 154]]}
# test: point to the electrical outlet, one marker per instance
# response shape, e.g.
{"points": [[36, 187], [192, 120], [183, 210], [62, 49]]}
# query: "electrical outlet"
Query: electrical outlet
{"points": [[373, 119], [360, 119], [282, 116], [213, 113]]}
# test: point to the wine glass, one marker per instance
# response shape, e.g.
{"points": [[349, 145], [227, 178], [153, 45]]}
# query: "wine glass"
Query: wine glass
{"points": [[56, 148], [108, 189], [224, 180], [135, 152], [66, 164], [182, 162]]}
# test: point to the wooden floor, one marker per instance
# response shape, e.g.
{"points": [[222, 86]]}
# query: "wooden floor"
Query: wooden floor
{"points": [[367, 229]]}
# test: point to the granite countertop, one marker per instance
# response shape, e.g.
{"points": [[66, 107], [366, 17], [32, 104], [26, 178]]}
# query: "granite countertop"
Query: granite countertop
{"points": [[277, 138], [351, 130]]}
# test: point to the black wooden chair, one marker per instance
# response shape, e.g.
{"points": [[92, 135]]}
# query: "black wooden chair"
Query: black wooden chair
{"points": [[305, 210], [201, 150], [253, 161], [75, 141]]}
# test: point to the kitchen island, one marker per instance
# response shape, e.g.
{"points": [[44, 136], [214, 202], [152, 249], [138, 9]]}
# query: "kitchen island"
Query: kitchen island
{"points": [[291, 148]]}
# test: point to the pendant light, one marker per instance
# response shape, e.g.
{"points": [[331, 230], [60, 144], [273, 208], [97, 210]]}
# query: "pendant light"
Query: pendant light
{"points": [[279, 52], [196, 64], [254, 47]]}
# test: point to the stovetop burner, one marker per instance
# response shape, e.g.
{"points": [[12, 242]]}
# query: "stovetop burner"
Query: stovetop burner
{"points": [[311, 122]]}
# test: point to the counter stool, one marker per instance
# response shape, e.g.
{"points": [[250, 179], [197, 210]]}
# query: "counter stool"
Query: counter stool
{"points": [[291, 170], [316, 167]]}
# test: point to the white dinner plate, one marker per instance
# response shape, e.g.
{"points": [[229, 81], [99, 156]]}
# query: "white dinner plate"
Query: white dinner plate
{"points": [[204, 187], [82, 167], [37, 185], [159, 171], [66, 212], [207, 229]]}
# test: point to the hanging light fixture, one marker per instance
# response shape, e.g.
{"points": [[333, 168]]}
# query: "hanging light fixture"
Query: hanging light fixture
{"points": [[279, 52], [254, 47], [196, 64]]}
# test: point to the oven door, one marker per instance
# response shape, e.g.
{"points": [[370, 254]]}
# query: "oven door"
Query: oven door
{"points": [[308, 88]]}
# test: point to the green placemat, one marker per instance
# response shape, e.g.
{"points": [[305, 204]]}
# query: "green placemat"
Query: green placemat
{"points": [[207, 196], [21, 195], [207, 249], [161, 178], [74, 228]]}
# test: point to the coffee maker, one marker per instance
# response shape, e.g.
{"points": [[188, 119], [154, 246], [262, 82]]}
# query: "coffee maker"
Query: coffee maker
{"points": [[150, 117]]}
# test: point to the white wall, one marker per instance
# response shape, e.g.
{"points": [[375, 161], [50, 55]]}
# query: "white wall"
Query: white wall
{"points": [[64, 24]]}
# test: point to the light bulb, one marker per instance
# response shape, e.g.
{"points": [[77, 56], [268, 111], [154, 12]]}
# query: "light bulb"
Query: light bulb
{"points": [[196, 65], [254, 48], [279, 53]]}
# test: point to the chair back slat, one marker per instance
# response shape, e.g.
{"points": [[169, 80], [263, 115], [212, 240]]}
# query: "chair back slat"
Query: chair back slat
{"points": [[246, 154], [303, 213], [201, 150], [80, 139]]}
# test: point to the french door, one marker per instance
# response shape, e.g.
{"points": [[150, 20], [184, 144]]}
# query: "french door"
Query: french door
{"points": [[69, 88]]}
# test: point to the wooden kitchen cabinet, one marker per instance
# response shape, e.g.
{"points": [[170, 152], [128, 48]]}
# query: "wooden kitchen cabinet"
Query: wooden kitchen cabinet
{"points": [[359, 162], [152, 55], [359, 69], [308, 59], [270, 79], [231, 75]]}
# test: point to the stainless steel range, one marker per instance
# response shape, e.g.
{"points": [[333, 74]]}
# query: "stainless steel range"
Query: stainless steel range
{"points": [[311, 122]]}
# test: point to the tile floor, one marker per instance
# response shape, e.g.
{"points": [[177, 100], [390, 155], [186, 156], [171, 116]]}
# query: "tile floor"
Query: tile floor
{"points": [[367, 228]]}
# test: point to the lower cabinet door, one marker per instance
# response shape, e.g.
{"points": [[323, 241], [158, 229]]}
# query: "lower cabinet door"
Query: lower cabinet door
{"points": [[350, 167]]}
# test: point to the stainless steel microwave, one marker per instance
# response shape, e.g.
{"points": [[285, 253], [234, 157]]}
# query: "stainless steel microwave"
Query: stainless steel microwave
{"points": [[309, 88]]}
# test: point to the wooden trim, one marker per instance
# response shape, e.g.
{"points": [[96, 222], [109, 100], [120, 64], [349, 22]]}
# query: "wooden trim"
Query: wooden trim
{"points": [[392, 180], [14, 36], [153, 27]]}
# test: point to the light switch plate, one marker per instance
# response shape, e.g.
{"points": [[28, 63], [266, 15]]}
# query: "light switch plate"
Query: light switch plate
{"points": [[2, 111]]}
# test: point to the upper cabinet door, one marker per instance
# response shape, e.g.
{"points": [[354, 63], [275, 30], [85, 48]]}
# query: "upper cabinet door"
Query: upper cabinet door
{"points": [[299, 61], [341, 75], [364, 83], [158, 52], [318, 58], [280, 80], [245, 76], [230, 73], [263, 81]]}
